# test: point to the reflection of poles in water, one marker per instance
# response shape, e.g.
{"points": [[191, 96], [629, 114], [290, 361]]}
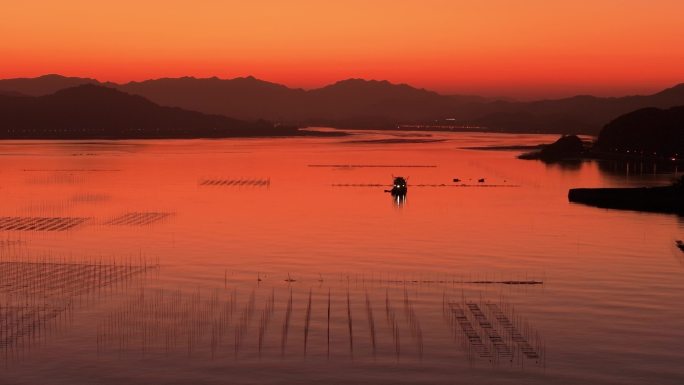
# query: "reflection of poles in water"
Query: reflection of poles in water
{"points": [[265, 318], [351, 332], [286, 325], [393, 324], [399, 200], [328, 323], [413, 323], [155, 319], [371, 322], [307, 321], [39, 295]]}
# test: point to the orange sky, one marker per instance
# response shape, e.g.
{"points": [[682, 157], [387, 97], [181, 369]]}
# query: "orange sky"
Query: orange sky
{"points": [[525, 48]]}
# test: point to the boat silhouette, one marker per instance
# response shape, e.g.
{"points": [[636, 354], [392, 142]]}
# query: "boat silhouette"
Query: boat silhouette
{"points": [[399, 187]]}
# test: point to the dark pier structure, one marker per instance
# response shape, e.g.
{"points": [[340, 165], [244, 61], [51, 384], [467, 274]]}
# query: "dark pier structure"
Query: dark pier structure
{"points": [[665, 199]]}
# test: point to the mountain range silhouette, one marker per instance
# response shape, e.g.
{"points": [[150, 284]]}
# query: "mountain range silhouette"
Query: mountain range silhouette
{"points": [[358, 103]]}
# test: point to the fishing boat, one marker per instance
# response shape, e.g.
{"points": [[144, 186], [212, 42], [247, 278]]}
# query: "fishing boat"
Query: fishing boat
{"points": [[399, 186]]}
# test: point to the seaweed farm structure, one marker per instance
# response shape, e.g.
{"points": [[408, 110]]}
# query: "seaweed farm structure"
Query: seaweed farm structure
{"points": [[62, 224], [487, 331], [137, 219], [39, 295], [331, 320], [40, 223], [236, 182]]}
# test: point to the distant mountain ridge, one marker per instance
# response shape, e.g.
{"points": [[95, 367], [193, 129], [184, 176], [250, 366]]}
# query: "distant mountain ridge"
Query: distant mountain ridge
{"points": [[43, 85], [358, 103], [91, 111]]}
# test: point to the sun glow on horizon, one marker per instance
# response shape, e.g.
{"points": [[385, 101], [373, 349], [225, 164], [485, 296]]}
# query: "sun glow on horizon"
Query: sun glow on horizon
{"points": [[498, 48]]}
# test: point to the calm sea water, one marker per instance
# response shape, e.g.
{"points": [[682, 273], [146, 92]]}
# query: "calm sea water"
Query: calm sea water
{"points": [[284, 261]]}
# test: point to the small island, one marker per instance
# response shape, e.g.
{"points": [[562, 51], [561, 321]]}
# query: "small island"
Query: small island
{"points": [[648, 134], [568, 147]]}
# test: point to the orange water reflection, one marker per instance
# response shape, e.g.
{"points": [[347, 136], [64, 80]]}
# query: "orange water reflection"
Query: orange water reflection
{"points": [[616, 273]]}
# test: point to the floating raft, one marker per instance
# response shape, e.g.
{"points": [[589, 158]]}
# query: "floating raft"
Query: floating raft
{"points": [[469, 331], [235, 182], [525, 347], [70, 170], [40, 223], [502, 350], [137, 219]]}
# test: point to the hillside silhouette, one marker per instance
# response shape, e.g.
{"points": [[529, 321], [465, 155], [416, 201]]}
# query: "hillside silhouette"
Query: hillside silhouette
{"points": [[648, 131], [358, 103], [93, 111]]}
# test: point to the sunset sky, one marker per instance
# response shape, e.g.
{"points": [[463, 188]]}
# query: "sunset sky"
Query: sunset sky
{"points": [[523, 49]]}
